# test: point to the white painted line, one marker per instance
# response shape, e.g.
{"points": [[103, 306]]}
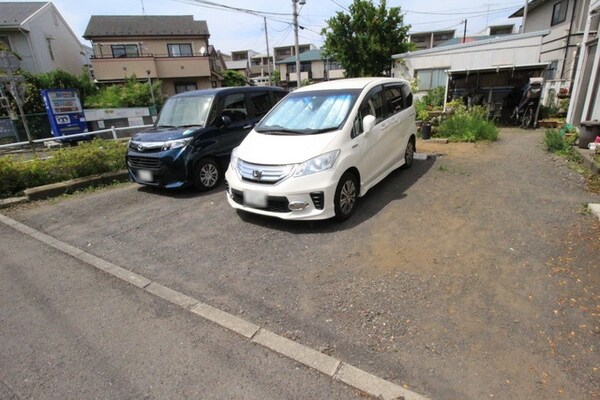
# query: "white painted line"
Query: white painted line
{"points": [[373, 385], [226, 320], [171, 295], [305, 355], [323, 363]]}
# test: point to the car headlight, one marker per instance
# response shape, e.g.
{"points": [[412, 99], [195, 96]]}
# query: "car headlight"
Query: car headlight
{"points": [[317, 164], [234, 159], [175, 144]]}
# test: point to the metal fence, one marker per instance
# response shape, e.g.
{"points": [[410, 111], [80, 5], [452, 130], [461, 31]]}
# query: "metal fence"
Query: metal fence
{"points": [[112, 133]]}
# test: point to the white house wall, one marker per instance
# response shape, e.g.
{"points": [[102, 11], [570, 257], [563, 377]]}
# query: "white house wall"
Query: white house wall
{"points": [[472, 56], [66, 48]]}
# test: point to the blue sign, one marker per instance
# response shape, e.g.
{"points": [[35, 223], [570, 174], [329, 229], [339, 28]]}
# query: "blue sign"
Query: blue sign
{"points": [[64, 112]]}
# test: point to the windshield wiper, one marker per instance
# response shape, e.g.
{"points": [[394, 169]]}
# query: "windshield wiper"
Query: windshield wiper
{"points": [[165, 126], [190, 125], [279, 130]]}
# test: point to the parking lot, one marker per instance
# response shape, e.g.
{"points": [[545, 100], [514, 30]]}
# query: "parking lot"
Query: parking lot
{"points": [[473, 275]]}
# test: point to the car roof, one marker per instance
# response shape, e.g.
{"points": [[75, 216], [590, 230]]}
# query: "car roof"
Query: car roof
{"points": [[224, 90], [349, 83]]}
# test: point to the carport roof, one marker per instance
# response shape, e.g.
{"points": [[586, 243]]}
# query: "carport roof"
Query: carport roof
{"points": [[498, 68]]}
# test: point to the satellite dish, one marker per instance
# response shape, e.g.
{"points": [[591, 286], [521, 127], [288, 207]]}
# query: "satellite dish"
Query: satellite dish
{"points": [[202, 50]]}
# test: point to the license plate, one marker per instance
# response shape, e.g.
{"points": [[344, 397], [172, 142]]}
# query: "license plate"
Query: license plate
{"points": [[146, 176], [255, 199]]}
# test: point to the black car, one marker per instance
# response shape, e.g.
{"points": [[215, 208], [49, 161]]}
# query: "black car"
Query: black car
{"points": [[192, 140]]}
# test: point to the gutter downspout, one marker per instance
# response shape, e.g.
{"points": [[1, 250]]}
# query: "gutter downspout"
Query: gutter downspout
{"points": [[562, 71], [35, 61]]}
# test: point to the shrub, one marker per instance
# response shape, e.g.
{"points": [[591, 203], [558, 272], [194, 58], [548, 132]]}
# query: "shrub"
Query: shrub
{"points": [[558, 141], [468, 126], [90, 158]]}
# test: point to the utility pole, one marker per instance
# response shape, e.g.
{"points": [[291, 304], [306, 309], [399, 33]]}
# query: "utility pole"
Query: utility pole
{"points": [[465, 31], [268, 55], [297, 46]]}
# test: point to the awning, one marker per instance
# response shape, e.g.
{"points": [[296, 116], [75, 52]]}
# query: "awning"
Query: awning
{"points": [[498, 68]]}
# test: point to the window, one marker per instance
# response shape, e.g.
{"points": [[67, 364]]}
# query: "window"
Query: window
{"points": [[180, 50], [431, 78], [552, 70], [304, 67], [124, 50], [49, 41], [559, 12], [334, 65], [393, 100], [373, 105], [181, 87], [234, 107], [261, 103]]}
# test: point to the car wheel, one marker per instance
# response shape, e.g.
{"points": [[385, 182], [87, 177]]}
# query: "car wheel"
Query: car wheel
{"points": [[207, 174], [346, 196], [409, 154]]}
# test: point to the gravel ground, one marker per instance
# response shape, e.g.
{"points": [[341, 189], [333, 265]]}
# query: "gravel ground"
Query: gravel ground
{"points": [[472, 276]]}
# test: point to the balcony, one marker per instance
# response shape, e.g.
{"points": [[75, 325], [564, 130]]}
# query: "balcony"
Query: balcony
{"points": [[109, 69]]}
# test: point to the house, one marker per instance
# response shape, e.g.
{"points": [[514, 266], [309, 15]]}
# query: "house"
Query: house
{"points": [[430, 39], [314, 66], [41, 37], [585, 93], [282, 52], [565, 22], [174, 49]]}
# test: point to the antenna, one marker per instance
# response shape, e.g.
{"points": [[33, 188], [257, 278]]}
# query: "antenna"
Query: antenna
{"points": [[143, 9]]}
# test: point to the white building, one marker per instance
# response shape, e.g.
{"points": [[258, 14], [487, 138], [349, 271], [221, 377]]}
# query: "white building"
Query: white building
{"points": [[41, 37]]}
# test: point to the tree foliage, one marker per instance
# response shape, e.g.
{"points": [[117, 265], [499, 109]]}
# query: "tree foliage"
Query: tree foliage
{"points": [[233, 78], [56, 79], [130, 94], [364, 40]]}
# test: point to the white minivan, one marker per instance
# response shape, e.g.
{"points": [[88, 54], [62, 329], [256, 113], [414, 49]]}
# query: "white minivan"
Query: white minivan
{"points": [[322, 147]]}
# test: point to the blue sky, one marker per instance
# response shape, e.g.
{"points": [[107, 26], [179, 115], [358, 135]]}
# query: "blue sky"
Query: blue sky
{"points": [[236, 31]]}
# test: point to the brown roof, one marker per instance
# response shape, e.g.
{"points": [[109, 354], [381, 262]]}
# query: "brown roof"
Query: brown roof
{"points": [[144, 25]]}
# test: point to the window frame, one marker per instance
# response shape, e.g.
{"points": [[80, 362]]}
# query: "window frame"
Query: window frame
{"points": [[125, 54], [170, 47], [559, 12]]}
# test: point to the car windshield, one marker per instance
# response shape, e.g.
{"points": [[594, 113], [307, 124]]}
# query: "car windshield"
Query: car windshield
{"points": [[309, 112], [185, 111]]}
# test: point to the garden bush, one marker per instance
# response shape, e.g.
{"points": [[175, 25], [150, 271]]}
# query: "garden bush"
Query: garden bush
{"points": [[88, 158], [468, 126], [558, 142]]}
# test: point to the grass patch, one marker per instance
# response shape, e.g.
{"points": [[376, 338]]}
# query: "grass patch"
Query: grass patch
{"points": [[468, 126], [89, 158]]}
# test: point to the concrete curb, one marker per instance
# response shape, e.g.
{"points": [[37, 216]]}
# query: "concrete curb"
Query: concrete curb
{"points": [[594, 209], [57, 189], [588, 160], [338, 370], [13, 201]]}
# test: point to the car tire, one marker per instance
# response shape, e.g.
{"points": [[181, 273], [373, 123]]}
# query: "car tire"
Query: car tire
{"points": [[346, 196], [409, 153], [207, 174]]}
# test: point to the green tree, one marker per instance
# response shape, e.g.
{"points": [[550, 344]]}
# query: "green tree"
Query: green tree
{"points": [[56, 79], [276, 77], [130, 94], [233, 78], [364, 40]]}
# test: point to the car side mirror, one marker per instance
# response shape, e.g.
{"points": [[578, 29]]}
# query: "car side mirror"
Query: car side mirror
{"points": [[368, 123], [224, 121]]}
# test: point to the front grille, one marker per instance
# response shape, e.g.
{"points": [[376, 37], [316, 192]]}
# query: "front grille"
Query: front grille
{"points": [[144, 162], [278, 204], [318, 199], [146, 147], [265, 174]]}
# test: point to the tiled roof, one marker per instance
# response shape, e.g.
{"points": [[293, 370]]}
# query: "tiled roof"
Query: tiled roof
{"points": [[144, 25], [14, 13]]}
